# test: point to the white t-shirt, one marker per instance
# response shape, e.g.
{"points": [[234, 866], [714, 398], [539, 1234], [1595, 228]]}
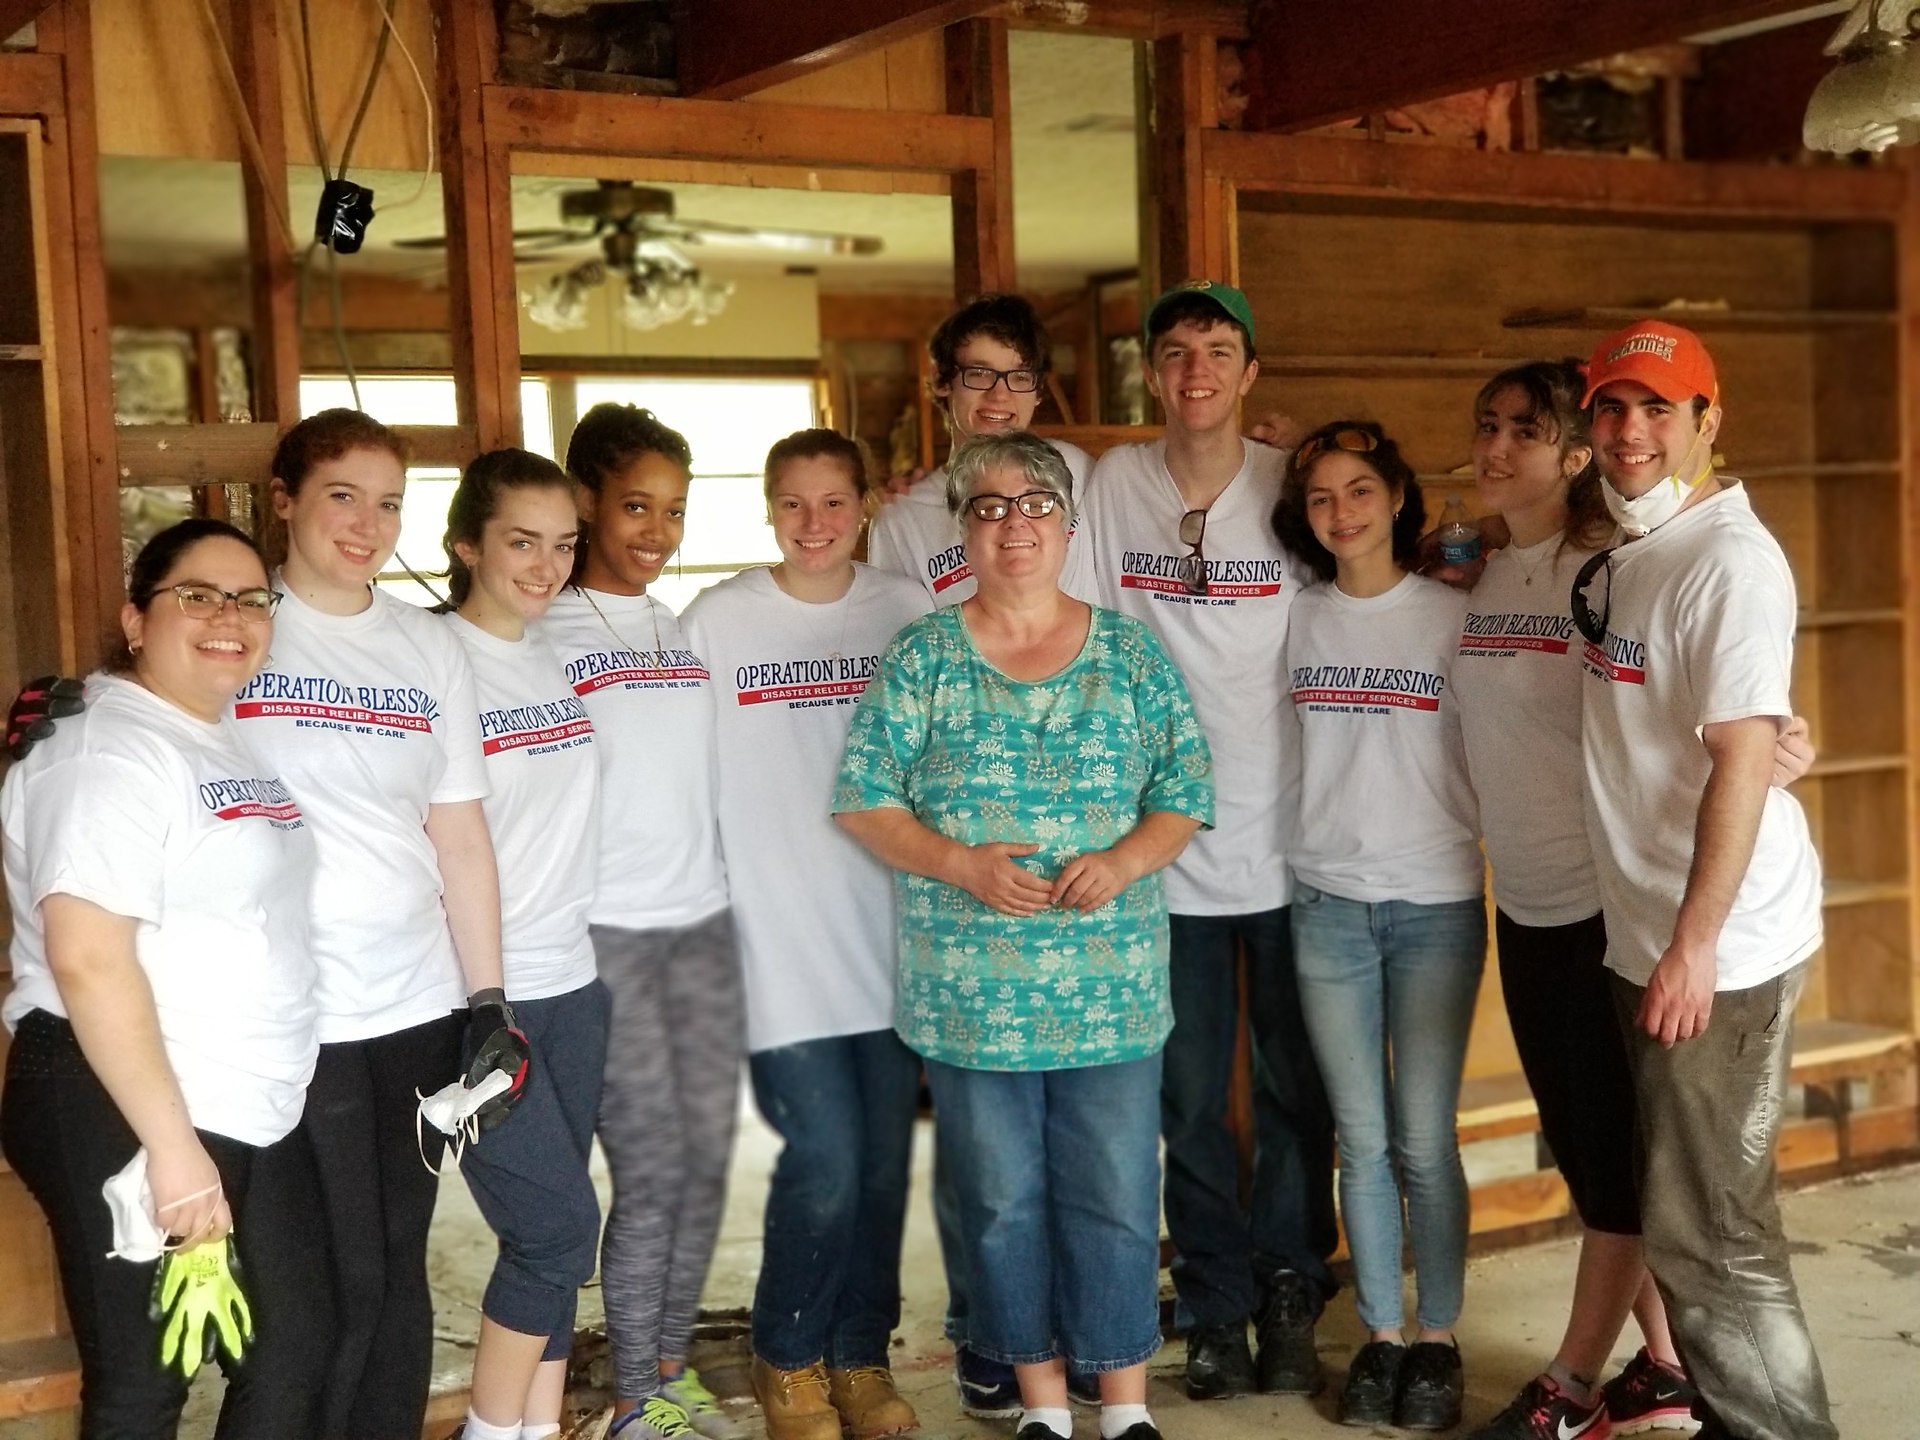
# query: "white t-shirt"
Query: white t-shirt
{"points": [[371, 719], [1386, 809], [542, 809], [1228, 644], [651, 700], [815, 909], [915, 536], [139, 808], [1517, 682], [1700, 630]]}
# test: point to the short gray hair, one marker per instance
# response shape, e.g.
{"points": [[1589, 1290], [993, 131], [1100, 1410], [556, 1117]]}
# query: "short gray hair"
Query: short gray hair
{"points": [[1016, 449]]}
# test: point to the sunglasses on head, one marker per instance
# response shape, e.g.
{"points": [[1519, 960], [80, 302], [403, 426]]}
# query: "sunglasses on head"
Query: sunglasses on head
{"points": [[1359, 442]]}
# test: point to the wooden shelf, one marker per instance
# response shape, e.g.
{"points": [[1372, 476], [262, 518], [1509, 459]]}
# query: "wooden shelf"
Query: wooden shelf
{"points": [[1857, 765], [1390, 367], [1841, 893], [1839, 619], [20, 354], [38, 1375], [1816, 470], [1612, 317]]}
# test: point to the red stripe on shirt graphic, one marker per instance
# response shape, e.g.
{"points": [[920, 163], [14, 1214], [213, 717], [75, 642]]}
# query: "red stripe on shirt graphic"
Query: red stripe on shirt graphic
{"points": [[1406, 700], [951, 578], [306, 710], [544, 735], [1215, 590], [632, 673], [286, 810], [828, 691], [1608, 669], [1471, 644]]}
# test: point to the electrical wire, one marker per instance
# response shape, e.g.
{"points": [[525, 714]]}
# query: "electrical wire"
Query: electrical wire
{"points": [[313, 103], [385, 7], [249, 137], [426, 99]]}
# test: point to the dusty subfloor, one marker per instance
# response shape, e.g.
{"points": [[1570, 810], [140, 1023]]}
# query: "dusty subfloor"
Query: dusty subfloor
{"points": [[1857, 1244]]}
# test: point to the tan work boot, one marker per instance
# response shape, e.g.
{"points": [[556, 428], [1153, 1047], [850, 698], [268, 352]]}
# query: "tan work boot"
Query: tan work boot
{"points": [[795, 1402], [869, 1406]]}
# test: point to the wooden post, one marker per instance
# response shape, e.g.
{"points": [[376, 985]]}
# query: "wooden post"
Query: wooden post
{"points": [[1907, 291], [272, 279], [1190, 211], [475, 182], [977, 85], [91, 562]]}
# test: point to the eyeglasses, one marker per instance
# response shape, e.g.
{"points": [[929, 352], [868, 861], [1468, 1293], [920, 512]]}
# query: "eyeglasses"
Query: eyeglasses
{"points": [[204, 602], [1034, 504], [1359, 442], [984, 377], [1192, 568], [1595, 576]]}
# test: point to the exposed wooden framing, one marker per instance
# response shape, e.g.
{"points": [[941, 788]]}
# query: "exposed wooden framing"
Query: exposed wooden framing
{"points": [[1908, 378], [1129, 19], [731, 48], [1190, 206], [1315, 165], [274, 337], [211, 454], [89, 565], [978, 88], [476, 187], [573, 122], [1332, 61], [30, 84]]}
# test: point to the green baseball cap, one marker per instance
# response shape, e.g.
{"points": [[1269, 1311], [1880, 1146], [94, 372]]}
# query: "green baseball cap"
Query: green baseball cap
{"points": [[1231, 301]]}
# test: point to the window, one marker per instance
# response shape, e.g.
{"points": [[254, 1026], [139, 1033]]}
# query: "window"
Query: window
{"points": [[730, 424], [423, 400]]}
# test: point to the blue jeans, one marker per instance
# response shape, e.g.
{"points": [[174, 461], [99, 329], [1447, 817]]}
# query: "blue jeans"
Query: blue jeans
{"points": [[1388, 988], [1058, 1175], [829, 1285], [529, 1176], [1226, 1251]]}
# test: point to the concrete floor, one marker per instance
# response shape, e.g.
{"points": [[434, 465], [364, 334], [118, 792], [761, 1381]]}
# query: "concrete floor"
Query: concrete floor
{"points": [[1857, 1245]]}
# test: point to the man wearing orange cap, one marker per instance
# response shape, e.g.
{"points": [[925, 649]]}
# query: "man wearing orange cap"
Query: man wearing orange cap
{"points": [[1708, 876]]}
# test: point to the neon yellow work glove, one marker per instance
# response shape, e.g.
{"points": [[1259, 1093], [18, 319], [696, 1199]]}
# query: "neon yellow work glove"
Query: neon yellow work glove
{"points": [[191, 1288]]}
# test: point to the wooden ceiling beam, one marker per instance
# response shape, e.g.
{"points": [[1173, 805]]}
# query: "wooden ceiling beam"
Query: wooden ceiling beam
{"points": [[590, 124], [1129, 19], [731, 48], [1309, 164], [1321, 61]]}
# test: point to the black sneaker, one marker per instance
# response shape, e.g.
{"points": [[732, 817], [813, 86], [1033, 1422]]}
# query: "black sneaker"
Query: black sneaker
{"points": [[1372, 1381], [1431, 1387], [1219, 1363], [1034, 1430], [1543, 1411], [1141, 1431], [1288, 1364], [1083, 1388], [1649, 1395], [988, 1389]]}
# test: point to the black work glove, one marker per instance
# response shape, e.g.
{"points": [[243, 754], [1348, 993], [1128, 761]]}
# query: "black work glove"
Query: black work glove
{"points": [[37, 707], [495, 1042]]}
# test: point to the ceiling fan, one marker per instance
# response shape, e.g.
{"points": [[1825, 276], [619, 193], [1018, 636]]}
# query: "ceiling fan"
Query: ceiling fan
{"points": [[639, 240]]}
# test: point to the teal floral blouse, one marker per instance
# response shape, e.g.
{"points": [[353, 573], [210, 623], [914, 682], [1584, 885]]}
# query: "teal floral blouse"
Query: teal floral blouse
{"points": [[1071, 764]]}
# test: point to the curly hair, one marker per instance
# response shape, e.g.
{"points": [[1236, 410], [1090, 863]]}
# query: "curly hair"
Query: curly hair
{"points": [[1010, 319], [1290, 521], [611, 436]]}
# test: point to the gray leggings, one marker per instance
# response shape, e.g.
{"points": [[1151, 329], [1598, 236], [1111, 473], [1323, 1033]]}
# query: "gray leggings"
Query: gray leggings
{"points": [[667, 1111]]}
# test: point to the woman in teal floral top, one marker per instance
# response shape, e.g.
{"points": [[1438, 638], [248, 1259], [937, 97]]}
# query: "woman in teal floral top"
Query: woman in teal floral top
{"points": [[1028, 764]]}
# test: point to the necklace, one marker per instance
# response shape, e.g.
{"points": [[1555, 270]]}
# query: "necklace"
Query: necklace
{"points": [[653, 613], [1527, 572]]}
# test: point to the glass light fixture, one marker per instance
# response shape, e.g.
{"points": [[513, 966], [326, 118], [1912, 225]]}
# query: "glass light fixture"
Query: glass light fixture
{"points": [[561, 301], [1871, 99]]}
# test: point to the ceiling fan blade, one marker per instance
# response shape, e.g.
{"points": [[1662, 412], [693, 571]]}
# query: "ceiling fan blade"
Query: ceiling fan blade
{"points": [[798, 242], [550, 238]]}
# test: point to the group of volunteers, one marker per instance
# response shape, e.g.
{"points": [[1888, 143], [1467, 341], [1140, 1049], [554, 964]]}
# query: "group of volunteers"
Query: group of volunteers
{"points": [[1095, 761]]}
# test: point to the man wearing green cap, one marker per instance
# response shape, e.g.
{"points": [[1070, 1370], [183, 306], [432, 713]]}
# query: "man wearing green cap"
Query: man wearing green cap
{"points": [[1182, 541]]}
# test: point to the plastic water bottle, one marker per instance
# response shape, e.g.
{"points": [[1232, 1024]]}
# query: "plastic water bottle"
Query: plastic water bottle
{"points": [[1459, 536]]}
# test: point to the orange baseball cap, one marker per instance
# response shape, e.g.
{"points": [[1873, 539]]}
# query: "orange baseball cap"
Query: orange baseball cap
{"points": [[1668, 360]]}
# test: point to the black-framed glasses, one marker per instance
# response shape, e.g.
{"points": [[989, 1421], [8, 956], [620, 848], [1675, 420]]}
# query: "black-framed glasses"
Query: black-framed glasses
{"points": [[1359, 442], [1192, 569], [203, 602], [985, 377], [1592, 597], [1034, 504]]}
